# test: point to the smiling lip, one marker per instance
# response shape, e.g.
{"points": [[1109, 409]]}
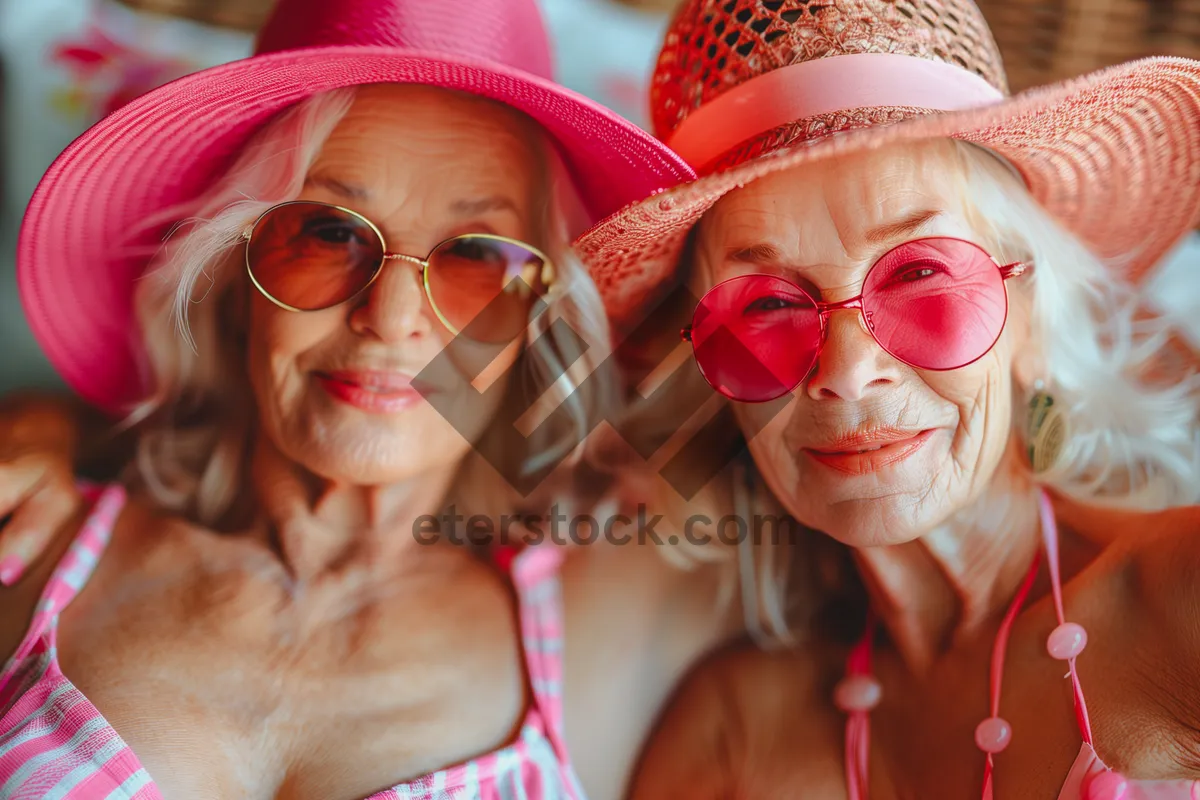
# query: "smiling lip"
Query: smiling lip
{"points": [[864, 453], [378, 392]]}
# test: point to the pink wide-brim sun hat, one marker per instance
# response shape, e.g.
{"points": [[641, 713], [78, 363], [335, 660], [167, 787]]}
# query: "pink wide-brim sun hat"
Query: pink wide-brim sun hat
{"points": [[84, 241], [745, 89]]}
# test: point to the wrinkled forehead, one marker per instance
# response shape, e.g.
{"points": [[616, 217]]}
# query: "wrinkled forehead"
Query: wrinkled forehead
{"points": [[403, 145], [844, 209]]}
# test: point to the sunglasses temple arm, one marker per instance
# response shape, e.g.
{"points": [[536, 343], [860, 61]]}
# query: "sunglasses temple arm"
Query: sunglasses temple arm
{"points": [[1014, 270]]}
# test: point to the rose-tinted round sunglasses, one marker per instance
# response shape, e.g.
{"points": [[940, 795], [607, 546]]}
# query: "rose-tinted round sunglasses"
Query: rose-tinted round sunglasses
{"points": [[936, 303]]}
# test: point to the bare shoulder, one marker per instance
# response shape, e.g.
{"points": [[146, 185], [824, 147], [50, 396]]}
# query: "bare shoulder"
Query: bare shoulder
{"points": [[1151, 559], [1149, 587], [1162, 560], [745, 723], [139, 535]]}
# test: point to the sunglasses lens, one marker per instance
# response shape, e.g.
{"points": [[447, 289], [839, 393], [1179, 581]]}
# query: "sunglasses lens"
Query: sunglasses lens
{"points": [[936, 303], [312, 256], [486, 287], [756, 337]]}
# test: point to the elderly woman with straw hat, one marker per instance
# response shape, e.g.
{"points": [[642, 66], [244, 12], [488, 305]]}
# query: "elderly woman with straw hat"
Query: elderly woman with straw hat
{"points": [[919, 296], [384, 186]]}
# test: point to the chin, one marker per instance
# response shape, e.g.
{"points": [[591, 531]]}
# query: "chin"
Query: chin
{"points": [[872, 523], [858, 513], [369, 463], [347, 446]]}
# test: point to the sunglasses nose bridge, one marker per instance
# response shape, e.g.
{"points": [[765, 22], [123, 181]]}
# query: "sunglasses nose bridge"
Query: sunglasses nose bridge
{"points": [[825, 310], [854, 305], [828, 308], [420, 262]]}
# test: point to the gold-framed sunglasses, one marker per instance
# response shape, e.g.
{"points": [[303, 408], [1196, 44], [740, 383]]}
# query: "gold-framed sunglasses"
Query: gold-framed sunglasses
{"points": [[305, 255]]}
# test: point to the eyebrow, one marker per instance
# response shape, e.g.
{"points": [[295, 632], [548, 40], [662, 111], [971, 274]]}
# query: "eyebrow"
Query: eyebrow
{"points": [[337, 187], [754, 254], [496, 202], [894, 230], [460, 208]]}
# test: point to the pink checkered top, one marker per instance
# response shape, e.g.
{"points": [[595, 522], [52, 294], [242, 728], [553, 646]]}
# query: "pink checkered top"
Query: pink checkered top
{"points": [[55, 745]]}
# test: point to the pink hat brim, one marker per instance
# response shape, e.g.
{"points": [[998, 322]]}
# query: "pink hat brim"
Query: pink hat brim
{"points": [[1113, 156], [77, 262]]}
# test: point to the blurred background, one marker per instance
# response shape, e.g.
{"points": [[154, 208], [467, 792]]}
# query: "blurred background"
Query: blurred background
{"points": [[66, 63]]}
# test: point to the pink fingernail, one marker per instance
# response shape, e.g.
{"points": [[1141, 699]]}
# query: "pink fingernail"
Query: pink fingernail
{"points": [[10, 570]]}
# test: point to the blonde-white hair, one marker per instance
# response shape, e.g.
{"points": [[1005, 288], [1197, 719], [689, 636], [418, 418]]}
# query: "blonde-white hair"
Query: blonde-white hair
{"points": [[194, 428], [1131, 406]]}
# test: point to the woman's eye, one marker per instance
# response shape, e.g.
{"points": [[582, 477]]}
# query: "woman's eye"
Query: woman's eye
{"points": [[475, 250], [770, 303], [331, 231], [915, 273]]}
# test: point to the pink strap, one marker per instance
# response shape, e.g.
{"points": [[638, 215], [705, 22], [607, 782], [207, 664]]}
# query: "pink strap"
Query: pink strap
{"points": [[998, 651], [1050, 539], [858, 726], [1050, 543], [534, 570], [72, 571], [825, 86]]}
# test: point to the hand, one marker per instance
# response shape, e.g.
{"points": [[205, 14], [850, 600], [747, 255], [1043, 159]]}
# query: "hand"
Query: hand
{"points": [[38, 494]]}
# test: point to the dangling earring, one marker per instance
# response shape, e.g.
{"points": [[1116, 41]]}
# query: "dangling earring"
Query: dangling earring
{"points": [[1047, 430]]}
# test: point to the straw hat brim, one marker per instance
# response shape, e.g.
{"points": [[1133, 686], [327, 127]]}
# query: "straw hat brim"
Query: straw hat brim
{"points": [[1114, 156], [85, 239]]}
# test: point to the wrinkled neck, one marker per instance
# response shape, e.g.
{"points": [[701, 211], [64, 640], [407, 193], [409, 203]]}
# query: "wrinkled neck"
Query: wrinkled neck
{"points": [[324, 528], [938, 590]]}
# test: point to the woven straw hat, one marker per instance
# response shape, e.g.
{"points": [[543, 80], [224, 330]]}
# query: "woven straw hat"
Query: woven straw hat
{"points": [[746, 88]]}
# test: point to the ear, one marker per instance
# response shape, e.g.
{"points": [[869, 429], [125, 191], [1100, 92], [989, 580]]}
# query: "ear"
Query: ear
{"points": [[1029, 364], [1029, 357]]}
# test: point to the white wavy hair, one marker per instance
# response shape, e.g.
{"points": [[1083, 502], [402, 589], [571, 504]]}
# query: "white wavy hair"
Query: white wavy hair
{"points": [[194, 429], [1131, 403]]}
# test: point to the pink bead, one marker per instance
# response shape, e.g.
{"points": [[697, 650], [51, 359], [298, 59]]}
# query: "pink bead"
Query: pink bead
{"points": [[1107, 786], [1066, 641], [993, 735], [857, 693]]}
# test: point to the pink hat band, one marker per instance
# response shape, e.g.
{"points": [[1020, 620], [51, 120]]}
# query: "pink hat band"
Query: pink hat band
{"points": [[825, 86]]}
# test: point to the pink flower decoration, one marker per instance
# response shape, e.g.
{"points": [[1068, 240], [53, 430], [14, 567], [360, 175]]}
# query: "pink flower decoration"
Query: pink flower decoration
{"points": [[108, 74]]}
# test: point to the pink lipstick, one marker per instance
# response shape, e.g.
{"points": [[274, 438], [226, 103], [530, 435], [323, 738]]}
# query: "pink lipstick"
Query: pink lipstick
{"points": [[369, 390], [861, 453]]}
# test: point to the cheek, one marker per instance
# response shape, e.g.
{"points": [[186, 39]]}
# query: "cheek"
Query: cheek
{"points": [[765, 425], [279, 343], [982, 393]]}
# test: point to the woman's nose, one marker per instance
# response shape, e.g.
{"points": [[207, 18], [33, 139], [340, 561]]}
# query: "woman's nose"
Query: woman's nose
{"points": [[851, 365], [395, 307]]}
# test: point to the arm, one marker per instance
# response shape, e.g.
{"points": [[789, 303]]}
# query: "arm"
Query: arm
{"points": [[44, 440]]}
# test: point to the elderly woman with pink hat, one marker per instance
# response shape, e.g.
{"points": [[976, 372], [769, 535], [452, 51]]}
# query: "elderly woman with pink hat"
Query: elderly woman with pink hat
{"points": [[367, 230], [920, 298]]}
